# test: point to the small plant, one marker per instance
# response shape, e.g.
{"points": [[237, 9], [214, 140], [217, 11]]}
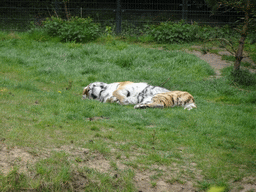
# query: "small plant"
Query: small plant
{"points": [[78, 159], [97, 135], [204, 50], [70, 84], [108, 30], [118, 156], [153, 184], [108, 136], [127, 155], [154, 137], [95, 128], [114, 165], [175, 180]]}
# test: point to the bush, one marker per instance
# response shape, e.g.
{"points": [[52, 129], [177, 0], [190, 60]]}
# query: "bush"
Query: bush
{"points": [[170, 32], [181, 32], [75, 29]]}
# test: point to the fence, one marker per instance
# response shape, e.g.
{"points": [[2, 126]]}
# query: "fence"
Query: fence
{"points": [[17, 14]]}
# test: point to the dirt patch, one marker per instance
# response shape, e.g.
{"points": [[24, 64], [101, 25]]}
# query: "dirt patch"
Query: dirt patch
{"points": [[247, 184], [171, 180], [215, 60], [15, 157]]}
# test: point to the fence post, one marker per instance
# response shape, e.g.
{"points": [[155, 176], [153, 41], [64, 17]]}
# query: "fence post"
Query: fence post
{"points": [[118, 17], [57, 8], [185, 10]]}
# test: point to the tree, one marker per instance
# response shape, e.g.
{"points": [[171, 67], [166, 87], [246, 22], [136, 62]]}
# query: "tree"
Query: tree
{"points": [[249, 9]]}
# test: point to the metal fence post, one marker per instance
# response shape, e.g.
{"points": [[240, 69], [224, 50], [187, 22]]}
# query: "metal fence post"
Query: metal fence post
{"points": [[118, 17], [185, 10], [57, 8]]}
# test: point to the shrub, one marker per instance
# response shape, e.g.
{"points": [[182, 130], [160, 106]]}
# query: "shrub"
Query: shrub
{"points": [[181, 32], [75, 29], [170, 32]]}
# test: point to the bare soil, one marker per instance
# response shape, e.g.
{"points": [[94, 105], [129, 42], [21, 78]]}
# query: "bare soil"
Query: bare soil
{"points": [[215, 60]]}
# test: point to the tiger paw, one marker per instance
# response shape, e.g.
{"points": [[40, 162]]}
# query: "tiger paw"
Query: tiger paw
{"points": [[140, 106], [112, 100]]}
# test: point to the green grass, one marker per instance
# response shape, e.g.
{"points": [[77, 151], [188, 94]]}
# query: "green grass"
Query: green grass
{"points": [[251, 48], [42, 111]]}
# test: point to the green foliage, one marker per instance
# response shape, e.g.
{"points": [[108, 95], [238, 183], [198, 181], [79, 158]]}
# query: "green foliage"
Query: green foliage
{"points": [[170, 32], [181, 32], [75, 29], [208, 32]]}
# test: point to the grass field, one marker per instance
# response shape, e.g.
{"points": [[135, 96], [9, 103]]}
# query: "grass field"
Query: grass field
{"points": [[52, 140]]}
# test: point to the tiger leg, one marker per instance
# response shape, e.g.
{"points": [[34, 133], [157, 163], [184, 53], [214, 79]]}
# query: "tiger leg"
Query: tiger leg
{"points": [[112, 100], [121, 96], [149, 103]]}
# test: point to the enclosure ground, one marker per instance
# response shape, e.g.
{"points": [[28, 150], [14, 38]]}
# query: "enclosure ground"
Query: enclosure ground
{"points": [[124, 155]]}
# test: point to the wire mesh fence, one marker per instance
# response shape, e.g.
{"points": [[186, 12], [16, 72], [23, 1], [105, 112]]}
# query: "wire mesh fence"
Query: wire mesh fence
{"points": [[18, 14]]}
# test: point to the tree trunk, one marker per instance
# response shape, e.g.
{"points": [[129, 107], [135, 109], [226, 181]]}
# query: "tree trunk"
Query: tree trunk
{"points": [[239, 53]]}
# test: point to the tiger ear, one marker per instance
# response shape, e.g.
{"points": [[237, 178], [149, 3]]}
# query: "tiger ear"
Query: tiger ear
{"points": [[85, 91]]}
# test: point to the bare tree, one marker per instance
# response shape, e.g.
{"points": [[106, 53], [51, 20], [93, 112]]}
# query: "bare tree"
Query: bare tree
{"points": [[249, 9]]}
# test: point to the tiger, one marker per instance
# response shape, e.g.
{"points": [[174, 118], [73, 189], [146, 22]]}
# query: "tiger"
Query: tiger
{"points": [[142, 95], [124, 93]]}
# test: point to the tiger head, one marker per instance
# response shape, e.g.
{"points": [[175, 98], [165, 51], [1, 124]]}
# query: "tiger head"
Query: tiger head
{"points": [[93, 90]]}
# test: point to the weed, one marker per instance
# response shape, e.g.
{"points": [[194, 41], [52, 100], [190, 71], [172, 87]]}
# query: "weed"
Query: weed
{"points": [[78, 159], [118, 156], [95, 128], [97, 135], [153, 184], [205, 50], [155, 176], [175, 180], [113, 165], [153, 136]]}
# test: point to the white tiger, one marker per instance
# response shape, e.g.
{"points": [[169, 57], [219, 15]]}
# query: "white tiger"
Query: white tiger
{"points": [[142, 95]]}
